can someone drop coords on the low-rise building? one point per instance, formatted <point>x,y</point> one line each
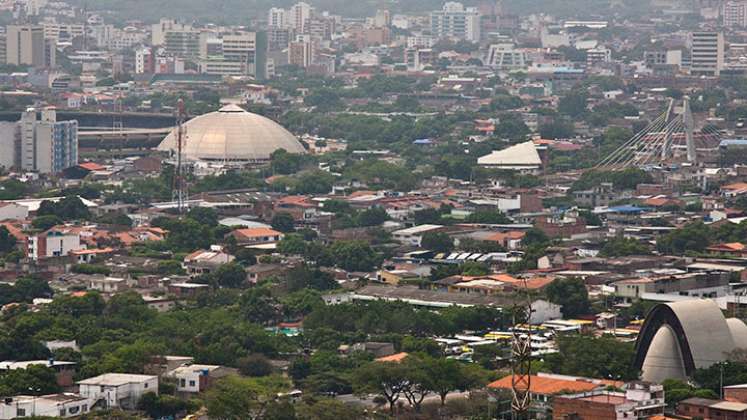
<point>197,378</point>
<point>638,401</point>
<point>56,242</point>
<point>122,390</point>
<point>414,235</point>
<point>64,371</point>
<point>712,409</point>
<point>544,387</point>
<point>206,261</point>
<point>255,236</point>
<point>54,405</point>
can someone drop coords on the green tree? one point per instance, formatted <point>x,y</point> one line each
<point>448,375</point>
<point>692,237</point>
<point>158,406</point>
<point>283,222</point>
<point>328,409</point>
<point>204,216</point>
<point>45,223</point>
<point>7,241</point>
<point>593,357</point>
<point>255,365</point>
<point>292,244</point>
<point>233,397</point>
<point>372,217</point>
<point>573,104</point>
<point>354,255</point>
<point>314,182</point>
<point>571,294</point>
<point>30,287</point>
<point>68,208</point>
<point>34,380</point>
<point>302,277</point>
<point>620,246</point>
<point>230,275</point>
<point>437,241</point>
<point>386,379</point>
<point>284,163</point>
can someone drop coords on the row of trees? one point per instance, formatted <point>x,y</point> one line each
<point>417,377</point>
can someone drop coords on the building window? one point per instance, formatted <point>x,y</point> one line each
<point>21,412</point>
<point>145,385</point>
<point>191,383</point>
<point>182,383</point>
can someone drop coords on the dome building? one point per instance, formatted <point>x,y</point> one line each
<point>678,338</point>
<point>232,135</point>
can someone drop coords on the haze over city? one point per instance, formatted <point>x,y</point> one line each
<point>325,209</point>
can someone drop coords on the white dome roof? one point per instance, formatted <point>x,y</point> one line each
<point>232,134</point>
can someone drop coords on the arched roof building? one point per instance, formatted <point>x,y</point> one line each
<point>232,134</point>
<point>679,337</point>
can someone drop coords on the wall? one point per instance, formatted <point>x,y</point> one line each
<point>584,410</point>
<point>7,144</point>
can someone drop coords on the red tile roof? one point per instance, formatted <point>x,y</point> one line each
<point>543,385</point>
<point>393,358</point>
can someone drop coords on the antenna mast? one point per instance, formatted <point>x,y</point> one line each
<point>521,358</point>
<point>180,182</point>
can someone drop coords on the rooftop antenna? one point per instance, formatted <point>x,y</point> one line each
<point>179,194</point>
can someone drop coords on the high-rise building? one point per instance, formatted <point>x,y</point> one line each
<point>707,53</point>
<point>598,55</point>
<point>183,42</point>
<point>47,146</point>
<point>25,45</point>
<point>236,54</point>
<point>277,18</point>
<point>735,14</point>
<point>301,52</point>
<point>382,19</point>
<point>278,38</point>
<point>455,21</point>
<point>3,51</point>
<point>145,61</point>
<point>63,32</point>
<point>299,14</point>
<point>158,30</point>
<point>320,28</point>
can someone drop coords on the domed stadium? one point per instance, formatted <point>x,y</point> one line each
<point>678,338</point>
<point>232,135</point>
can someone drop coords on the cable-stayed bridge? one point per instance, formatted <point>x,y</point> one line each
<point>670,138</point>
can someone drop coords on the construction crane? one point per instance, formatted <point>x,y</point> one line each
<point>179,191</point>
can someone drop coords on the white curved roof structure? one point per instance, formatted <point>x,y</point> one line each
<point>232,134</point>
<point>519,156</point>
<point>679,337</point>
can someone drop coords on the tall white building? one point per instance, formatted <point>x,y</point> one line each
<point>299,14</point>
<point>707,53</point>
<point>277,18</point>
<point>456,22</point>
<point>47,146</point>
<point>735,14</point>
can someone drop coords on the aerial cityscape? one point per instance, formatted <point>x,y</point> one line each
<point>329,210</point>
